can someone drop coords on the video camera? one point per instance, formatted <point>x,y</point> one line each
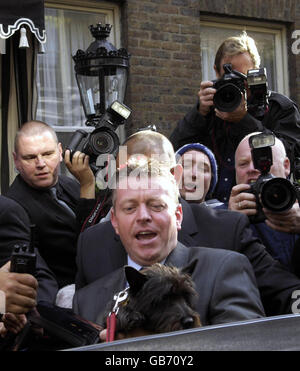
<point>103,140</point>
<point>231,87</point>
<point>273,193</point>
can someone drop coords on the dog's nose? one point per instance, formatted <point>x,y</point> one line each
<point>187,322</point>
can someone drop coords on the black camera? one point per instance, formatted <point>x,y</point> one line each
<point>103,139</point>
<point>230,89</point>
<point>273,193</point>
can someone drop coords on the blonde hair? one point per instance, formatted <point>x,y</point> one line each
<point>237,45</point>
<point>146,167</point>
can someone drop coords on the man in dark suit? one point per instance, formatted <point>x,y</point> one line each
<point>50,199</point>
<point>146,215</point>
<point>100,250</point>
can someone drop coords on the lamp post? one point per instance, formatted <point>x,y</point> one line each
<point>101,74</point>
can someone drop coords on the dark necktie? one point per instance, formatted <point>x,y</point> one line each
<point>61,202</point>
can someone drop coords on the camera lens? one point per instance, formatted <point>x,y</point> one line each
<point>102,141</point>
<point>278,194</point>
<point>227,98</point>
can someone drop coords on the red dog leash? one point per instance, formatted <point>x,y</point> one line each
<point>111,320</point>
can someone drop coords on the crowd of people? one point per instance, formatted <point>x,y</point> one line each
<point>194,203</point>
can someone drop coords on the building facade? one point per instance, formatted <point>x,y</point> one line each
<point>172,44</point>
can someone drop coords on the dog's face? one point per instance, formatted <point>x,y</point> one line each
<point>161,299</point>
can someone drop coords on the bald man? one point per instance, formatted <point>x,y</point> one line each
<point>246,174</point>
<point>280,230</point>
<point>39,189</point>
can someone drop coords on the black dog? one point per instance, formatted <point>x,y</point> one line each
<point>159,299</point>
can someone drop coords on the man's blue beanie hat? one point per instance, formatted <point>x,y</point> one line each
<point>213,163</point>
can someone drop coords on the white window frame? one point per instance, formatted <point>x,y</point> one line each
<point>111,11</point>
<point>278,30</point>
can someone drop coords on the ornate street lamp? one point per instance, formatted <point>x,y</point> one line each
<point>101,73</point>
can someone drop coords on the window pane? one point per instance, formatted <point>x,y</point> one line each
<point>212,37</point>
<point>59,101</point>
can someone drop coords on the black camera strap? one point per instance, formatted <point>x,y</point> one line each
<point>99,211</point>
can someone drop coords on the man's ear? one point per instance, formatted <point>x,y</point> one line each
<point>60,152</point>
<point>114,221</point>
<point>177,171</point>
<point>287,166</point>
<point>135,279</point>
<point>16,161</point>
<point>179,216</point>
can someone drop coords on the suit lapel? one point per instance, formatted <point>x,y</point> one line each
<point>110,285</point>
<point>179,257</point>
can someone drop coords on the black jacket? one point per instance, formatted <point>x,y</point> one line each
<point>100,252</point>
<point>282,118</point>
<point>56,228</point>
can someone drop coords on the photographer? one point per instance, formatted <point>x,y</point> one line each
<point>222,131</point>
<point>280,230</point>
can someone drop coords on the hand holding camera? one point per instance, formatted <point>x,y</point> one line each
<point>234,94</point>
<point>206,98</point>
<point>206,95</point>
<point>287,221</point>
<point>242,200</point>
<point>80,168</point>
<point>235,116</point>
<point>272,194</point>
